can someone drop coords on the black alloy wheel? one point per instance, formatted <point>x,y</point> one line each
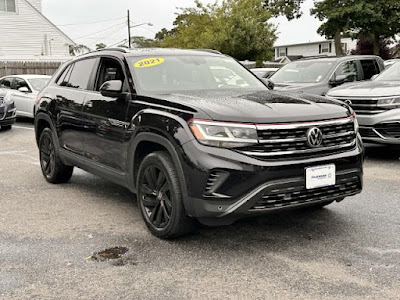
<point>54,171</point>
<point>160,199</point>
<point>47,156</point>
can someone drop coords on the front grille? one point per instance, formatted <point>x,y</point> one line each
<point>297,193</point>
<point>391,130</point>
<point>368,132</point>
<point>290,140</point>
<point>365,106</point>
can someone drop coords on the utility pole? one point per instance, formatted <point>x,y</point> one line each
<point>129,30</point>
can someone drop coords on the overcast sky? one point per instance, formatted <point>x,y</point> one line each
<point>161,13</point>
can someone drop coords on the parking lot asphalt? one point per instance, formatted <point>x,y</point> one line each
<point>50,234</point>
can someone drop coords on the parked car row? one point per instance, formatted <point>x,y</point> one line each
<point>23,89</point>
<point>377,105</point>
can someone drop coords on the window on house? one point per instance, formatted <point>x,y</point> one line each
<point>324,48</point>
<point>282,52</point>
<point>7,6</point>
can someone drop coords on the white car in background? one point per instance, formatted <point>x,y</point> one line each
<point>23,89</point>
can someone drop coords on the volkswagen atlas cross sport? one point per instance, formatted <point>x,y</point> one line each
<point>192,144</point>
<point>377,104</point>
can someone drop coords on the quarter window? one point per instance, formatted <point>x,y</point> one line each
<point>7,6</point>
<point>349,69</point>
<point>370,68</point>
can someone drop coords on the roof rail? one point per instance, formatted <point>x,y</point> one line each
<point>120,49</point>
<point>209,50</point>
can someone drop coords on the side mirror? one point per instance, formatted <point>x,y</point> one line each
<point>340,79</point>
<point>374,77</point>
<point>24,89</point>
<point>270,85</point>
<point>112,88</point>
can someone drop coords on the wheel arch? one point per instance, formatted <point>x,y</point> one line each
<point>146,143</point>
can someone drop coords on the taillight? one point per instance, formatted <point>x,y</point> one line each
<point>37,100</point>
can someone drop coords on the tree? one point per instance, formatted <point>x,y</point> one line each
<point>291,9</point>
<point>336,14</point>
<point>366,47</point>
<point>372,19</point>
<point>239,28</point>
<point>142,42</point>
<point>75,50</point>
<point>100,46</point>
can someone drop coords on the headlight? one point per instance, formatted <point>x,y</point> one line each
<point>356,126</point>
<point>226,135</point>
<point>389,102</point>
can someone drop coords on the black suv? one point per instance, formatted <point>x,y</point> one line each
<point>194,142</point>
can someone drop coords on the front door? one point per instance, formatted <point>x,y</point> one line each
<point>104,138</point>
<point>23,100</point>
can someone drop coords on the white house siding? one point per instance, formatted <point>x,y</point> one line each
<point>37,4</point>
<point>313,49</point>
<point>24,33</point>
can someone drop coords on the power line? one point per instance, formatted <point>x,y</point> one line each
<point>101,31</point>
<point>96,22</point>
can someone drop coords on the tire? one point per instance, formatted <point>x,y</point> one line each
<point>54,171</point>
<point>7,127</point>
<point>160,199</point>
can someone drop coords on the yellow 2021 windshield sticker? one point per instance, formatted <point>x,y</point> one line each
<point>149,62</point>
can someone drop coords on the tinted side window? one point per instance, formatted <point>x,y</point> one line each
<point>80,74</point>
<point>6,83</point>
<point>110,69</point>
<point>370,68</point>
<point>349,69</point>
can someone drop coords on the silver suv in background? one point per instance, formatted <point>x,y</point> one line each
<point>377,105</point>
<point>319,75</point>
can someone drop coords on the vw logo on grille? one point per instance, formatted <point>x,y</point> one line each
<point>314,137</point>
<point>348,102</point>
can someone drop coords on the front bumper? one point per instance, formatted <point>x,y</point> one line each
<point>249,186</point>
<point>8,114</point>
<point>383,128</point>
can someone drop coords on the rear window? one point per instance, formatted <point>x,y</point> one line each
<point>370,68</point>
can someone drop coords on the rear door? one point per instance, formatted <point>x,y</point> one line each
<point>370,67</point>
<point>69,97</point>
<point>104,139</point>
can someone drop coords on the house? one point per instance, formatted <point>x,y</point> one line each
<point>26,32</point>
<point>320,48</point>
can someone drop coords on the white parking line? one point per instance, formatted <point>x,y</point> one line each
<point>22,127</point>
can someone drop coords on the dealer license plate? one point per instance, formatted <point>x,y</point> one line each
<point>320,176</point>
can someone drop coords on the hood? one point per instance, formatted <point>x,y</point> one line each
<point>258,106</point>
<point>367,89</point>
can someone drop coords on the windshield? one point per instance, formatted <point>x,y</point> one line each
<point>38,83</point>
<point>302,71</point>
<point>390,74</point>
<point>183,73</point>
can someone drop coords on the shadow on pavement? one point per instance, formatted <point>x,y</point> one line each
<point>382,152</point>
